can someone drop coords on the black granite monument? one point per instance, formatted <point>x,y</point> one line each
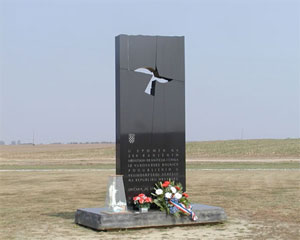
<point>150,111</point>
<point>150,131</point>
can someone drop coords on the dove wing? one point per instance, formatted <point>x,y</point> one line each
<point>143,70</point>
<point>161,80</point>
<point>149,86</point>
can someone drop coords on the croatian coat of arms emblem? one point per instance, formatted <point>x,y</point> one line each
<point>131,137</point>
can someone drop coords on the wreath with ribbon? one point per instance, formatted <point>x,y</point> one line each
<point>169,197</point>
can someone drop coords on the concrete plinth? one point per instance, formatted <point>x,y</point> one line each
<point>99,219</point>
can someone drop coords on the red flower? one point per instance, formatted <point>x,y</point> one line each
<point>136,198</point>
<point>141,200</point>
<point>148,200</point>
<point>178,188</point>
<point>166,184</point>
<point>142,195</point>
<point>185,195</point>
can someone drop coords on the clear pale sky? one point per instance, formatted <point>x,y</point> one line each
<point>58,73</point>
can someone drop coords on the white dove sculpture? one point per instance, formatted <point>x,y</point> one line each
<point>150,89</point>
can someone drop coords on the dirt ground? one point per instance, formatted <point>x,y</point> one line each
<point>259,204</point>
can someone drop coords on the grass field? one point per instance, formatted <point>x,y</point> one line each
<point>242,149</point>
<point>269,153</point>
<point>245,149</point>
<point>259,190</point>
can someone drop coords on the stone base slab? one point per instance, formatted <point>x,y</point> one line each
<point>100,219</point>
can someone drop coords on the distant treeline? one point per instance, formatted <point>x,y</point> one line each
<point>86,142</point>
<point>19,143</point>
<point>15,143</point>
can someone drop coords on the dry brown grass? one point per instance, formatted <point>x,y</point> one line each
<point>210,150</point>
<point>94,155</point>
<point>259,204</point>
<point>245,149</point>
<point>53,154</point>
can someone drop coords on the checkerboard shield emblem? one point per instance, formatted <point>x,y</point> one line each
<point>131,137</point>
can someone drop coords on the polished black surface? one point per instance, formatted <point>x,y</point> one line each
<point>150,128</point>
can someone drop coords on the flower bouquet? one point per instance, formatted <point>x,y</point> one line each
<point>169,197</point>
<point>142,202</point>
